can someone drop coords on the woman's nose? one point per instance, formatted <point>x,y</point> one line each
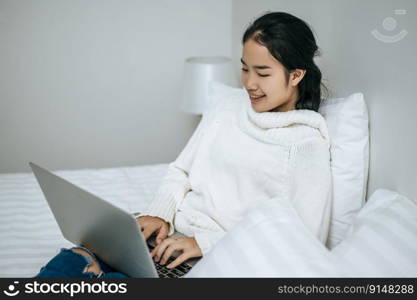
<point>250,83</point>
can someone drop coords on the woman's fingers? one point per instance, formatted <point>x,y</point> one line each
<point>160,249</point>
<point>163,233</point>
<point>168,252</point>
<point>180,259</point>
<point>149,225</point>
<point>154,251</point>
<point>165,249</point>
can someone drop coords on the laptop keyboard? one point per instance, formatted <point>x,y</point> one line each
<point>164,272</point>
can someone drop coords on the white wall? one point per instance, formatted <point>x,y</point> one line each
<point>353,60</point>
<point>95,83</point>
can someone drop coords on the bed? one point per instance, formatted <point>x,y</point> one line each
<point>373,239</point>
<point>29,234</point>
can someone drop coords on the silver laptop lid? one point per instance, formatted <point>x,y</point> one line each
<point>85,219</point>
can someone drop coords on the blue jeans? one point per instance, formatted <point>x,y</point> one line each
<point>67,263</point>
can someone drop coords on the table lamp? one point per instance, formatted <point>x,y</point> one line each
<point>198,73</point>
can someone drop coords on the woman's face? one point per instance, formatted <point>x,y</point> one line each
<point>263,75</point>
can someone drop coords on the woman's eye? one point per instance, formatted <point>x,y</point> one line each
<point>245,70</point>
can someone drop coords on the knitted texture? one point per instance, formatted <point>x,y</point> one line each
<point>238,158</point>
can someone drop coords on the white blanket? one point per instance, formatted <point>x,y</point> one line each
<point>29,234</point>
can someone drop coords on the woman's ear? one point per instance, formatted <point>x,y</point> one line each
<point>296,76</point>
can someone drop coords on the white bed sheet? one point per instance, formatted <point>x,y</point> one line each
<point>29,234</point>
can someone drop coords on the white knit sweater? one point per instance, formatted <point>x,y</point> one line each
<point>238,158</point>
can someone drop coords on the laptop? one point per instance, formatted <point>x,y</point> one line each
<point>109,231</point>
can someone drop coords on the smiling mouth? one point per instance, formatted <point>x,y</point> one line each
<point>256,99</point>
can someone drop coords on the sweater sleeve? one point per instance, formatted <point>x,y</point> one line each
<point>176,183</point>
<point>310,185</point>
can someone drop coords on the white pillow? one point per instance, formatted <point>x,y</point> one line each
<point>382,242</point>
<point>348,125</point>
<point>347,122</point>
<point>270,241</point>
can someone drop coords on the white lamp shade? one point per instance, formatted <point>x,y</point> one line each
<point>198,73</point>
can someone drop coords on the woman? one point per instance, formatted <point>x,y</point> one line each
<point>274,144</point>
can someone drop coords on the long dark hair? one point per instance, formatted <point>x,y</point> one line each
<point>291,41</point>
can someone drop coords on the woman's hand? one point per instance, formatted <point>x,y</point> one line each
<point>150,225</point>
<point>188,246</point>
